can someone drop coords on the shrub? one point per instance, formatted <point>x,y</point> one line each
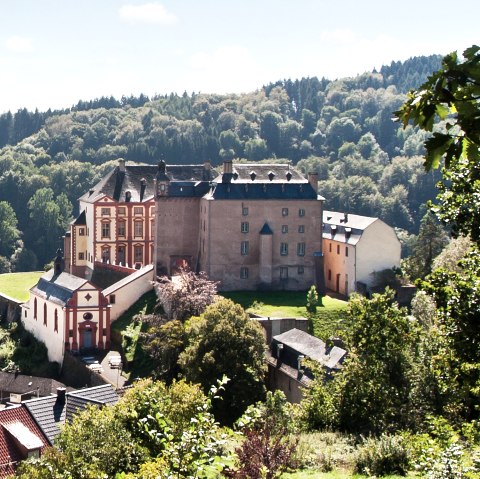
<point>383,455</point>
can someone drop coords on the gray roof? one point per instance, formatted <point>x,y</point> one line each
<point>312,347</point>
<point>57,288</point>
<point>139,180</point>
<point>21,384</point>
<point>343,227</point>
<point>51,412</point>
<point>264,173</point>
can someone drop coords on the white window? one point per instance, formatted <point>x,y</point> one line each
<point>244,227</point>
<point>244,248</point>
<point>243,273</point>
<point>284,249</point>
<point>138,229</point>
<point>284,229</point>
<point>301,249</point>
<point>105,211</point>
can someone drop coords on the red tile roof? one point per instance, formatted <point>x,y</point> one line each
<point>17,431</point>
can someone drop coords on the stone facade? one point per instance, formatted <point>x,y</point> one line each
<point>254,226</point>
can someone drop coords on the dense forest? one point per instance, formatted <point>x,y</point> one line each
<point>343,129</point>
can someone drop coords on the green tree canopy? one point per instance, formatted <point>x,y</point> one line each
<point>225,342</point>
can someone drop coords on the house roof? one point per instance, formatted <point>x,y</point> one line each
<point>261,181</point>
<point>81,219</point>
<point>57,288</point>
<point>343,227</point>
<point>314,348</point>
<point>50,412</point>
<point>139,180</point>
<point>264,173</point>
<point>21,384</point>
<point>17,428</point>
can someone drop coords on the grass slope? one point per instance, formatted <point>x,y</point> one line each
<point>278,304</point>
<point>17,285</point>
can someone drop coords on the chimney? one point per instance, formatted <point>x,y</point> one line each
<point>345,217</point>
<point>59,263</point>
<point>121,165</point>
<point>313,180</point>
<point>61,392</point>
<point>227,171</point>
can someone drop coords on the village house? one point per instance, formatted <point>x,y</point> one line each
<point>287,370</point>
<point>355,247</point>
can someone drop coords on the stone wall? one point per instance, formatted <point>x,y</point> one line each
<point>9,309</point>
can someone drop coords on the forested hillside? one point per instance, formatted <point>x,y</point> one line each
<point>343,129</point>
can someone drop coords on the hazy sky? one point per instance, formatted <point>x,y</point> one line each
<point>56,52</point>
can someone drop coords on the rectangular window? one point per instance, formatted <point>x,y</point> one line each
<point>244,248</point>
<point>138,210</point>
<point>81,256</point>
<point>338,249</point>
<point>121,228</point>
<point>346,251</point>
<point>283,272</point>
<point>330,247</point>
<point>301,249</point>
<point>106,229</point>
<point>284,211</point>
<point>105,211</point>
<point>81,231</point>
<point>329,275</point>
<point>138,229</point>
<point>152,229</point>
<point>138,253</point>
<point>300,270</point>
<point>122,210</point>
<point>301,228</point>
<point>245,211</point>
<point>301,212</point>
<point>70,333</point>
<point>244,227</point>
<point>284,249</point>
<point>284,228</point>
<point>112,299</point>
<point>243,273</point>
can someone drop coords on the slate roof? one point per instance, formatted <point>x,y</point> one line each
<point>264,173</point>
<point>20,384</point>
<point>116,183</point>
<point>16,424</point>
<point>57,288</point>
<point>316,349</point>
<point>262,191</point>
<point>51,412</point>
<point>336,228</point>
<point>81,219</point>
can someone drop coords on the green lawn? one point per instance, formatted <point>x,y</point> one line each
<point>16,285</point>
<point>277,304</point>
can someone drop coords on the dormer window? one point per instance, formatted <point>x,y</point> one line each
<point>289,176</point>
<point>271,175</point>
<point>253,175</point>
<point>128,196</point>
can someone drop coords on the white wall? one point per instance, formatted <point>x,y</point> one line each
<point>129,290</point>
<point>378,249</point>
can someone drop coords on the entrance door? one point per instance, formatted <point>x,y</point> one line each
<point>87,338</point>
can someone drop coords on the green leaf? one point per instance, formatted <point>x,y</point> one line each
<point>436,147</point>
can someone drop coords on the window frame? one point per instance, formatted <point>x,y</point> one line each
<point>244,248</point>
<point>283,249</point>
<point>301,247</point>
<point>244,227</point>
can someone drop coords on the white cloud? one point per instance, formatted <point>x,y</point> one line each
<point>19,44</point>
<point>153,13</point>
